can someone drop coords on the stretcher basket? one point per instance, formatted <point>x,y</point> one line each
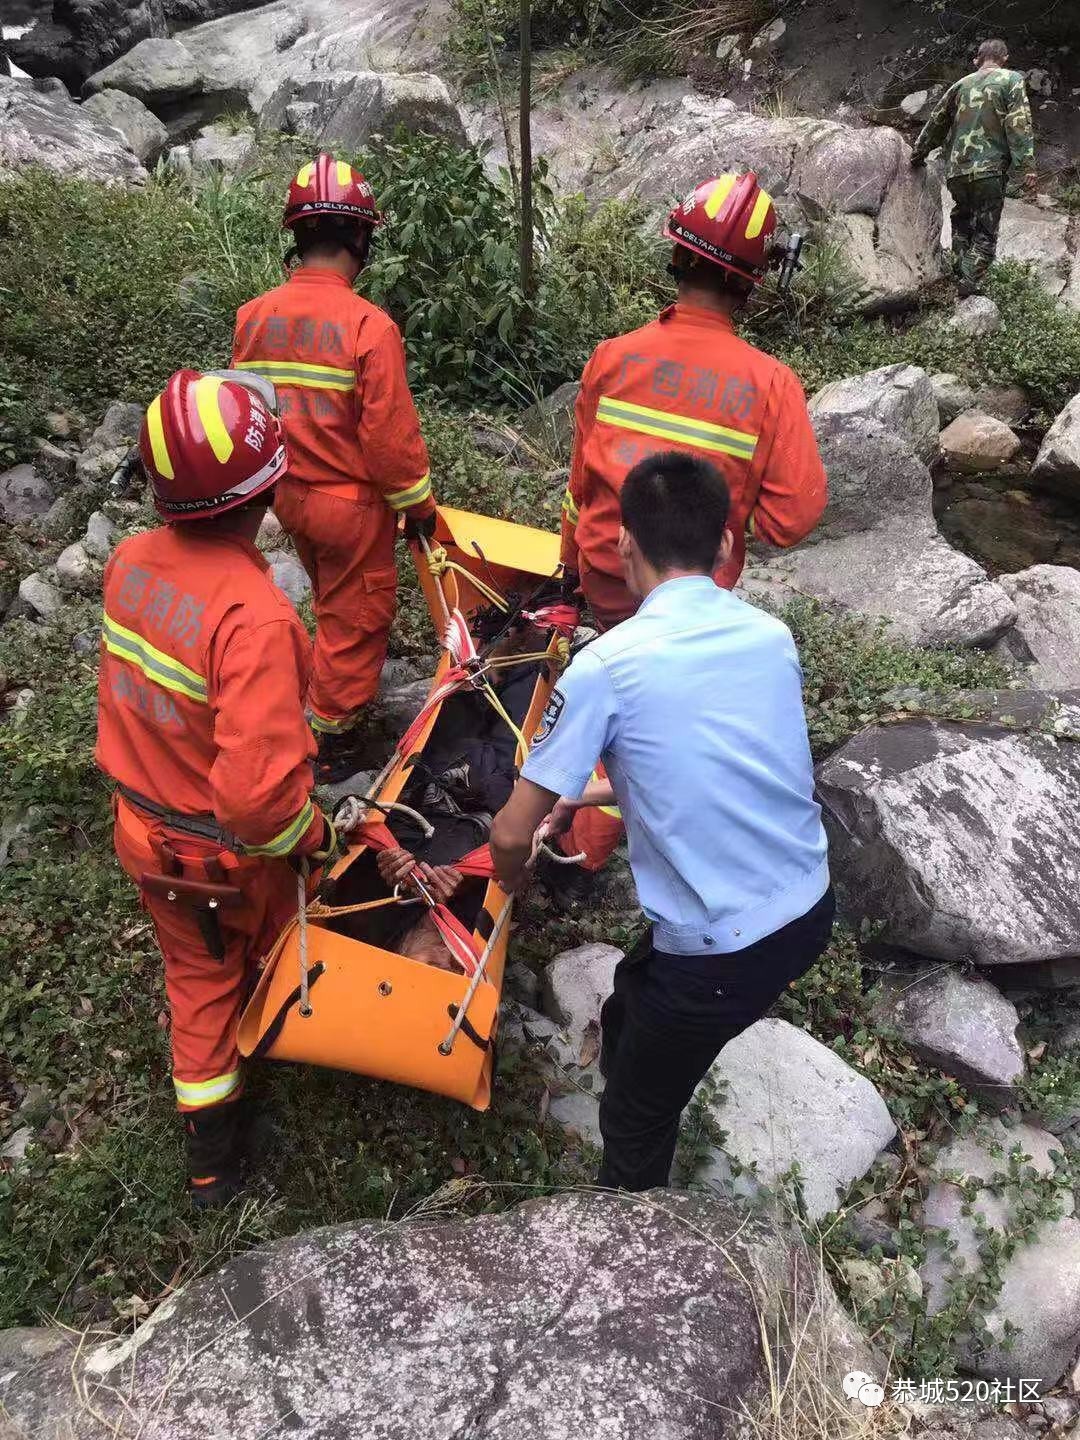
<point>372,1011</point>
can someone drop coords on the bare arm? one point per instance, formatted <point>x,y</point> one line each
<point>513,829</point>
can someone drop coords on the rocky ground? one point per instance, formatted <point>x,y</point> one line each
<point>904,1131</point>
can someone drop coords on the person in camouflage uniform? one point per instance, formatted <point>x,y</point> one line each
<point>983,123</point>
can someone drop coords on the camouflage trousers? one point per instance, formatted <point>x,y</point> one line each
<point>976,218</point>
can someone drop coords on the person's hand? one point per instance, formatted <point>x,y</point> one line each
<point>394,866</point>
<point>415,526</point>
<point>560,820</point>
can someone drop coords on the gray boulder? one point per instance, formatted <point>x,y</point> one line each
<point>877,550</point>
<point>224,152</point>
<point>962,1025</point>
<point>50,130</point>
<point>787,1100</point>
<point>198,12</point>
<point>977,316</point>
<point>768,40</point>
<point>159,72</point>
<point>575,986</point>
<point>100,537</point>
<point>573,1315</point>
<point>961,838</point>
<point>1047,631</point>
<point>1010,403</point>
<point>1033,236</point>
<point>953,396</point>
<point>1040,1291</point>
<point>109,443</point>
<point>289,575</point>
<point>74,39</point>
<point>977,444</point>
<point>75,570</point>
<point>899,397</point>
<point>24,494</point>
<point>41,596</point>
<point>1057,465</point>
<point>916,104</point>
<point>350,107</point>
<point>140,128</point>
<point>549,424</point>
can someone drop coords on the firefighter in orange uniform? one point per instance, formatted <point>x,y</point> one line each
<point>356,457</point>
<point>204,669</point>
<point>687,382</point>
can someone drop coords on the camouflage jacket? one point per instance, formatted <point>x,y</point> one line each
<point>984,124</point>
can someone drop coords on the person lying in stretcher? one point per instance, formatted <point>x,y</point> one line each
<point>422,942</point>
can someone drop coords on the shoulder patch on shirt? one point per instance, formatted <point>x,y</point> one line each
<point>550,718</point>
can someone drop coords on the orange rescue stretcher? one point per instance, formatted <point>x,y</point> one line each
<point>347,1003</point>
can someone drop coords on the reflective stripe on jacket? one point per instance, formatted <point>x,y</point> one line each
<point>204,668</point>
<point>688,382</point>
<point>338,365</point>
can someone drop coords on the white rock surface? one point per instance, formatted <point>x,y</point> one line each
<point>50,130</point>
<point>41,595</point>
<point>289,575</point>
<point>915,104</point>
<point>1047,631</point>
<point>960,838</point>
<point>159,71</point>
<point>575,986</point>
<point>953,396</point>
<point>1057,465</point>
<point>1040,1294</point>
<point>139,127</point>
<point>768,40</point>
<point>899,397</point>
<point>349,107</point>
<point>100,537</point>
<point>960,1024</point>
<point>977,444</point>
<point>977,316</point>
<point>787,1099</point>
<point>76,571</point>
<point>223,152</point>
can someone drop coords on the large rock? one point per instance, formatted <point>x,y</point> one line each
<point>787,1100</point>
<point>1037,237</point>
<point>953,396</point>
<point>1040,1289</point>
<point>1047,631</point>
<point>977,444</point>
<point>164,75</point>
<point>224,152</point>
<point>348,108</point>
<point>652,142</point>
<point>977,316</point>
<point>576,1315</point>
<point>139,127</point>
<point>110,442</point>
<point>41,596</point>
<point>289,575</point>
<point>962,1025</point>
<point>24,494</point>
<point>878,552</point>
<point>198,12</point>
<point>79,36</point>
<point>960,838</point>
<point>549,424</point>
<point>575,986</point>
<point>1057,465</point>
<point>49,129</point>
<point>900,398</point>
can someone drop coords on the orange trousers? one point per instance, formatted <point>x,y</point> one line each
<point>347,548</point>
<point>205,995</point>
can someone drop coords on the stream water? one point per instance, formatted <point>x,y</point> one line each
<point>1001,522</point>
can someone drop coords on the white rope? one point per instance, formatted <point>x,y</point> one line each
<point>447,1045</point>
<point>352,812</point>
<point>302,925</point>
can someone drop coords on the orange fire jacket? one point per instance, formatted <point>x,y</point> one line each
<point>338,365</point>
<point>688,382</point>
<point>204,668</point>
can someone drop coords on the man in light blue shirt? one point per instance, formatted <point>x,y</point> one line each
<point>695,706</point>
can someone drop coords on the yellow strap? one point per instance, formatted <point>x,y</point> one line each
<point>569,508</point>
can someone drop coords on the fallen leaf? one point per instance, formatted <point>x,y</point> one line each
<point>590,1044</point>
<point>86,1005</point>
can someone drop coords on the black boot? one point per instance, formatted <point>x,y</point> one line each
<point>340,757</point>
<point>567,886</point>
<point>214,1140</point>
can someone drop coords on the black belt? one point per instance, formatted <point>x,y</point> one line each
<point>202,827</point>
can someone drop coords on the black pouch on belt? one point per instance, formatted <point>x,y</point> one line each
<point>203,900</point>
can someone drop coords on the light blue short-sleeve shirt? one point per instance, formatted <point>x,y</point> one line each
<point>694,705</point>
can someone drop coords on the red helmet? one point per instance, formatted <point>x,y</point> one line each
<point>729,220</point>
<point>329,188</point>
<point>209,444</point>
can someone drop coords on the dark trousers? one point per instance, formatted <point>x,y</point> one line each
<point>665,1023</point>
<point>976,218</point>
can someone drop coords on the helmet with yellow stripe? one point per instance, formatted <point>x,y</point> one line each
<point>208,444</point>
<point>329,189</point>
<point>729,220</point>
